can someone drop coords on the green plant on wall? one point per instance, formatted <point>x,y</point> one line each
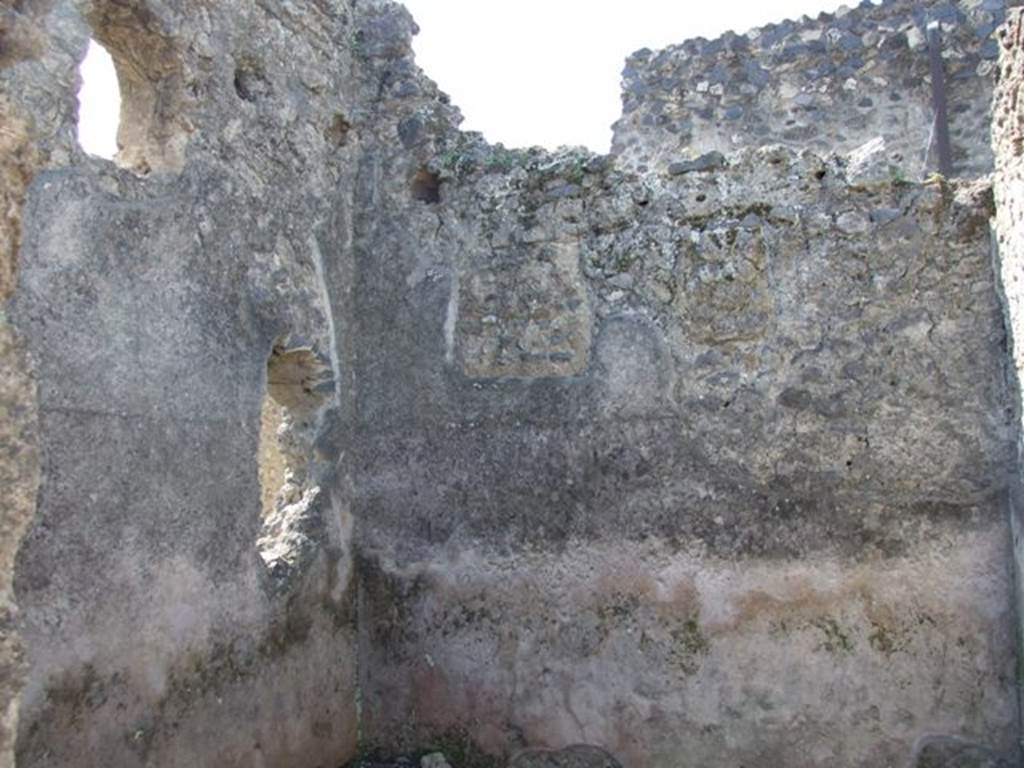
<point>501,159</point>
<point>897,175</point>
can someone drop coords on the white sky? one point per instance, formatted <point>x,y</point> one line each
<point>99,103</point>
<point>523,72</point>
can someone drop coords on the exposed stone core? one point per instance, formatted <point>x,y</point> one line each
<point>828,84</point>
<point>355,435</point>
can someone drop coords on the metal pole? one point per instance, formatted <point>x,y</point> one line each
<point>943,147</point>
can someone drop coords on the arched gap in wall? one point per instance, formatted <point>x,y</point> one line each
<point>152,128</point>
<point>298,385</point>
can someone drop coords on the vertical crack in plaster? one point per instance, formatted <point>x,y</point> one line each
<point>325,303</point>
<point>450,319</point>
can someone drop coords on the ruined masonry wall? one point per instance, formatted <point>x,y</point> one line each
<point>830,84</point>
<point>23,148</point>
<point>1008,141</point>
<point>753,430</point>
<point>711,462</point>
<point>149,295</point>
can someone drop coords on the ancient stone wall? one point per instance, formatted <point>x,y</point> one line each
<point>684,458</point>
<point>830,84</point>
<point>26,139</point>
<point>164,621</point>
<point>710,460</point>
<point>1008,142</point>
<point>758,518</point>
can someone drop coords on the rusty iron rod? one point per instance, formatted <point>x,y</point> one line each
<point>938,73</point>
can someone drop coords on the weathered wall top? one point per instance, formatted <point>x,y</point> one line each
<point>829,84</point>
